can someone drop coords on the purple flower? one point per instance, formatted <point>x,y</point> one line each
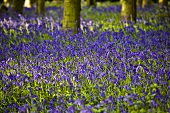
<point>12,77</point>
<point>71,109</point>
<point>50,91</point>
<point>24,77</point>
<point>39,109</point>
<point>78,102</point>
<point>86,111</point>
<point>115,81</point>
<point>7,87</point>
<point>154,103</point>
<point>23,108</point>
<point>102,94</point>
<point>52,110</point>
<point>110,99</point>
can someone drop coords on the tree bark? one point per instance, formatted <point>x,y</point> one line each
<point>40,7</point>
<point>18,6</point>
<point>91,3</point>
<point>146,3</point>
<point>71,15</point>
<point>128,11</point>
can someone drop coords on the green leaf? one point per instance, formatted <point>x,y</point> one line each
<point>29,74</point>
<point>154,85</point>
<point>99,110</point>
<point>15,100</point>
<point>46,37</point>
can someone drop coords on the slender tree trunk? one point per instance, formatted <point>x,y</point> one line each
<point>71,15</point>
<point>91,3</point>
<point>146,3</point>
<point>163,3</point>
<point>134,13</point>
<point>139,3</point>
<point>40,7</point>
<point>128,11</point>
<point>18,6</point>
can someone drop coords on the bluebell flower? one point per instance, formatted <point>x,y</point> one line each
<point>71,109</point>
<point>102,94</point>
<point>78,102</point>
<point>38,109</point>
<point>60,100</point>
<point>110,99</point>
<point>33,102</point>
<point>33,96</point>
<point>12,77</point>
<point>52,110</point>
<point>7,87</point>
<point>86,111</point>
<point>50,91</point>
<point>71,100</point>
<point>168,109</point>
<point>115,81</point>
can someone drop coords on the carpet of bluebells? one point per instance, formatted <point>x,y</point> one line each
<point>108,66</point>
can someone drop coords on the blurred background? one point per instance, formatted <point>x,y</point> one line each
<point>18,5</point>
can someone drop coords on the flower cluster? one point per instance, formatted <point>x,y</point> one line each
<point>43,69</point>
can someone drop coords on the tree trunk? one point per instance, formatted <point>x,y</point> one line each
<point>163,3</point>
<point>128,11</point>
<point>18,6</point>
<point>139,3</point>
<point>71,15</point>
<point>91,3</point>
<point>146,3</point>
<point>40,7</point>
